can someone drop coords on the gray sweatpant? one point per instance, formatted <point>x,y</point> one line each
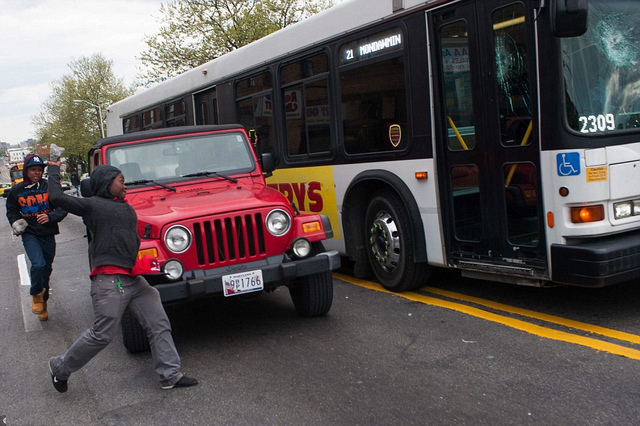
<point>108,305</point>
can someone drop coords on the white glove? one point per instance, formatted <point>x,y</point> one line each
<point>19,226</point>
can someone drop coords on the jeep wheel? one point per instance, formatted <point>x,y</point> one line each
<point>134,337</point>
<point>313,295</point>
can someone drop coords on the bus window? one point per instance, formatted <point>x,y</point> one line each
<point>514,95</point>
<point>466,202</point>
<point>306,106</point>
<point>256,112</point>
<point>131,123</point>
<point>373,100</point>
<point>256,116</point>
<point>175,114</point>
<point>457,86</point>
<point>522,204</point>
<point>152,119</point>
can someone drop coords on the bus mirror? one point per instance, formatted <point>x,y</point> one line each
<point>267,164</point>
<point>568,17</point>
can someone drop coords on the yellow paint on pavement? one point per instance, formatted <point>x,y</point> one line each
<point>537,330</point>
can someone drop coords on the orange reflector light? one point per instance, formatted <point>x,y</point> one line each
<point>311,227</point>
<point>421,175</point>
<point>587,214</point>
<point>550,220</point>
<point>153,252</point>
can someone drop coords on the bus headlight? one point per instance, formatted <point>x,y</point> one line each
<point>173,269</point>
<point>177,239</point>
<point>301,247</point>
<point>278,222</point>
<point>626,209</point>
<point>622,210</point>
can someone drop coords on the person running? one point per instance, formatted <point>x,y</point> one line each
<point>33,216</point>
<point>113,250</point>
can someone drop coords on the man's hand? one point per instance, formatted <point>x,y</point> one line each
<point>19,226</point>
<point>42,218</point>
<point>54,163</point>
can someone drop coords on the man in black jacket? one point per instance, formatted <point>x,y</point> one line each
<point>113,250</point>
<point>32,215</point>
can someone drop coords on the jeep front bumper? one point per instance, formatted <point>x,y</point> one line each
<point>275,272</point>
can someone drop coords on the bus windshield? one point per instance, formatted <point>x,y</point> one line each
<point>602,69</point>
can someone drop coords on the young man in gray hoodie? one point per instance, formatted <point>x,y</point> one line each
<point>113,250</point>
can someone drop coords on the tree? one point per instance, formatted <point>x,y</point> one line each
<point>196,31</point>
<point>76,125</point>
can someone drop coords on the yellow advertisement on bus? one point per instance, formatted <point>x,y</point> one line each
<point>316,195</point>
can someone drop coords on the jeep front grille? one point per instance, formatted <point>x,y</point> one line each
<point>223,240</point>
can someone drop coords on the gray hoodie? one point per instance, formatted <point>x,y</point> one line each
<point>111,223</point>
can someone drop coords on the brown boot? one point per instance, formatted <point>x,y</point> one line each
<point>37,306</point>
<point>44,315</point>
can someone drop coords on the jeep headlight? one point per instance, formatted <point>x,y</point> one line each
<point>173,269</point>
<point>278,222</point>
<point>301,247</point>
<point>177,239</point>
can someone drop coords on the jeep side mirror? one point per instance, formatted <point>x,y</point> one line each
<point>267,163</point>
<point>568,17</point>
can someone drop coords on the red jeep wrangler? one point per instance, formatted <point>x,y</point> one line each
<point>209,225</point>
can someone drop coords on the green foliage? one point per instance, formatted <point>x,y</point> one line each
<point>196,31</point>
<point>76,125</point>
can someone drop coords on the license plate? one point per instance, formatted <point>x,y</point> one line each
<point>242,282</point>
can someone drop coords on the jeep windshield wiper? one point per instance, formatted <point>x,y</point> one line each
<point>144,181</point>
<point>234,180</point>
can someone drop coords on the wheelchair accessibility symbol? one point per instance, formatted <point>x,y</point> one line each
<point>568,164</point>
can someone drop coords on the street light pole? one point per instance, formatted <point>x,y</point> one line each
<point>79,101</point>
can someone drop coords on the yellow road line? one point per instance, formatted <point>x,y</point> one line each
<point>590,328</point>
<point>509,322</point>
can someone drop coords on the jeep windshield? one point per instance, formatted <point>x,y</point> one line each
<point>601,69</point>
<point>181,157</point>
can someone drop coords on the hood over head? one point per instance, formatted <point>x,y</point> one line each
<point>31,160</point>
<point>101,179</point>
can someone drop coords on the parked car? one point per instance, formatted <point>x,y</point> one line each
<point>210,226</point>
<point>66,185</point>
<point>4,189</point>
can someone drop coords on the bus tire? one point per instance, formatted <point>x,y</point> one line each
<point>389,244</point>
<point>312,295</point>
<point>134,337</point>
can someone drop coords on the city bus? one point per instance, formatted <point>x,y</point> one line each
<point>500,138</point>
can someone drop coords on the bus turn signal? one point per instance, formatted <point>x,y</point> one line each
<point>587,214</point>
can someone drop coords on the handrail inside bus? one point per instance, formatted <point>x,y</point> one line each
<point>523,143</point>
<point>458,135</point>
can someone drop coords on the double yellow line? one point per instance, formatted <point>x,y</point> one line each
<point>538,330</point>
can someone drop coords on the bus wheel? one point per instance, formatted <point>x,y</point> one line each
<point>389,245</point>
<point>134,337</point>
<point>312,295</point>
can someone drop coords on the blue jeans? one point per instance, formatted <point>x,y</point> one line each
<point>40,250</point>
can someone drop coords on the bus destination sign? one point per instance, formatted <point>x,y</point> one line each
<point>372,46</point>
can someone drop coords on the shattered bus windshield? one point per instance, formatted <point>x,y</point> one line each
<point>602,69</point>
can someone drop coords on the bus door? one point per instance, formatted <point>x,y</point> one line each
<point>488,153</point>
<point>206,103</point>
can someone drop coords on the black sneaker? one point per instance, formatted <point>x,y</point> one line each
<point>60,385</point>
<point>184,382</point>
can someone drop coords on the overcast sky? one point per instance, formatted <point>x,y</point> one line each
<point>39,38</point>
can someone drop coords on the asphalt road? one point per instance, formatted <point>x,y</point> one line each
<point>424,358</point>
